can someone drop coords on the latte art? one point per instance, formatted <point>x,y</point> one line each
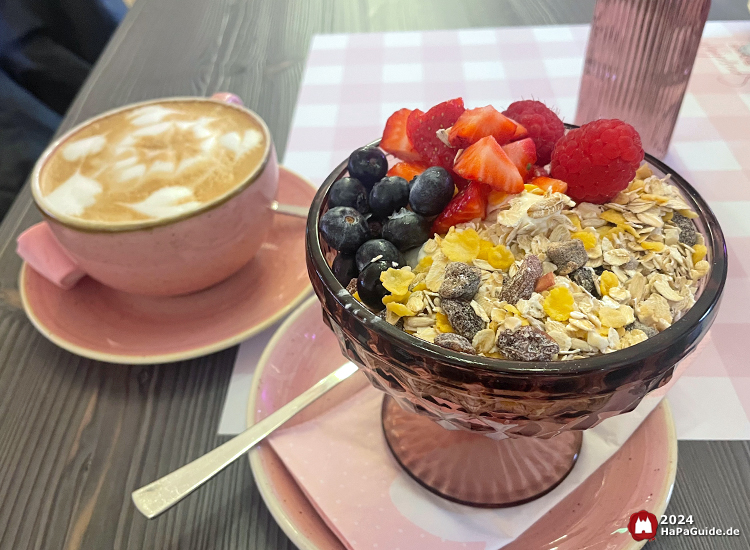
<point>151,162</point>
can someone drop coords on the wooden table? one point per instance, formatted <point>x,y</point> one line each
<point>77,436</point>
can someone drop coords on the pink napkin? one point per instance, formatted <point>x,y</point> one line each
<point>341,461</point>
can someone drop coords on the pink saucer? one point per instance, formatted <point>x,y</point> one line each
<point>594,516</point>
<point>98,322</point>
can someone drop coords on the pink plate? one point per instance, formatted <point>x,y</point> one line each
<point>98,322</point>
<point>304,350</point>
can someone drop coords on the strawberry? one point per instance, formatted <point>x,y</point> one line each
<point>461,183</point>
<point>475,124</point>
<point>523,155</point>
<point>407,170</point>
<point>422,127</point>
<point>521,132</point>
<point>546,183</point>
<point>486,162</point>
<point>469,204</point>
<point>395,141</point>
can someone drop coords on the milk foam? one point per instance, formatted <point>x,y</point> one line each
<point>151,162</point>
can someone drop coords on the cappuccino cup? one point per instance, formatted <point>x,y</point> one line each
<point>160,198</point>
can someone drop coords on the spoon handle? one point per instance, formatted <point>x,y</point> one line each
<point>290,209</point>
<point>160,495</point>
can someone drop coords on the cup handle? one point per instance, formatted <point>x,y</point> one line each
<point>39,248</point>
<point>228,98</point>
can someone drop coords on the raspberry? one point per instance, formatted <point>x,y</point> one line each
<point>542,124</point>
<point>597,160</point>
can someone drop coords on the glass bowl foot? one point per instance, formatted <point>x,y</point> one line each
<point>475,470</point>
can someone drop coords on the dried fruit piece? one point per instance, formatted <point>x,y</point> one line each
<point>462,318</point>
<point>500,257</point>
<point>584,277</point>
<point>656,247</point>
<point>527,344</point>
<point>461,282</point>
<point>397,281</point>
<point>454,342</point>
<point>567,255</point>
<point>461,246</point>
<point>559,303</point>
<point>613,216</point>
<point>544,282</point>
<point>521,286</point>
<point>607,280</point>
<point>688,235</point>
<point>351,288</point>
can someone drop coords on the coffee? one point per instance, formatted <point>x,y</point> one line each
<point>151,162</point>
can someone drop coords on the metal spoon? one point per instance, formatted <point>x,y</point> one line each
<point>290,209</point>
<point>157,497</point>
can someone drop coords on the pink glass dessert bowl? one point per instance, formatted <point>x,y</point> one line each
<point>491,432</point>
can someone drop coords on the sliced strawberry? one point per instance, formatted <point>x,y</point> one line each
<point>543,182</point>
<point>469,204</point>
<point>523,155</point>
<point>521,132</point>
<point>486,162</point>
<point>422,127</point>
<point>475,124</point>
<point>407,170</point>
<point>460,182</point>
<point>395,141</point>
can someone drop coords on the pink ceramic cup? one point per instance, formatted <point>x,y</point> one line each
<point>165,257</point>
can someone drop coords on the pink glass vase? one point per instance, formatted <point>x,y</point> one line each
<point>638,61</point>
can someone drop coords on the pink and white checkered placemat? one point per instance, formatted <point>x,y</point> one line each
<point>353,82</point>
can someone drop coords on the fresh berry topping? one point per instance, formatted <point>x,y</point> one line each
<point>344,229</point>
<point>547,183</point>
<point>395,141</point>
<point>407,170</point>
<point>431,191</point>
<point>368,165</point>
<point>475,124</point>
<point>378,247</point>
<point>376,227</point>
<point>597,160</point>
<point>344,268</point>
<point>537,171</point>
<point>523,155</point>
<point>422,131</point>
<point>469,204</point>
<point>486,162</point>
<point>521,132</point>
<point>349,192</point>
<point>369,287</point>
<point>542,124</point>
<point>459,182</point>
<point>388,195</point>
<point>406,229</point>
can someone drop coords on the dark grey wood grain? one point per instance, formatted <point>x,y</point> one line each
<point>77,436</point>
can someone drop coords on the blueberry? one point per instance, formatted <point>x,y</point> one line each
<point>349,192</point>
<point>370,288</point>
<point>378,247</point>
<point>405,229</point>
<point>431,191</point>
<point>344,268</point>
<point>344,228</point>
<point>368,165</point>
<point>389,195</point>
<point>376,227</point>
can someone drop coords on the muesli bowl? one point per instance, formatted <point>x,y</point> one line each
<point>451,418</point>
